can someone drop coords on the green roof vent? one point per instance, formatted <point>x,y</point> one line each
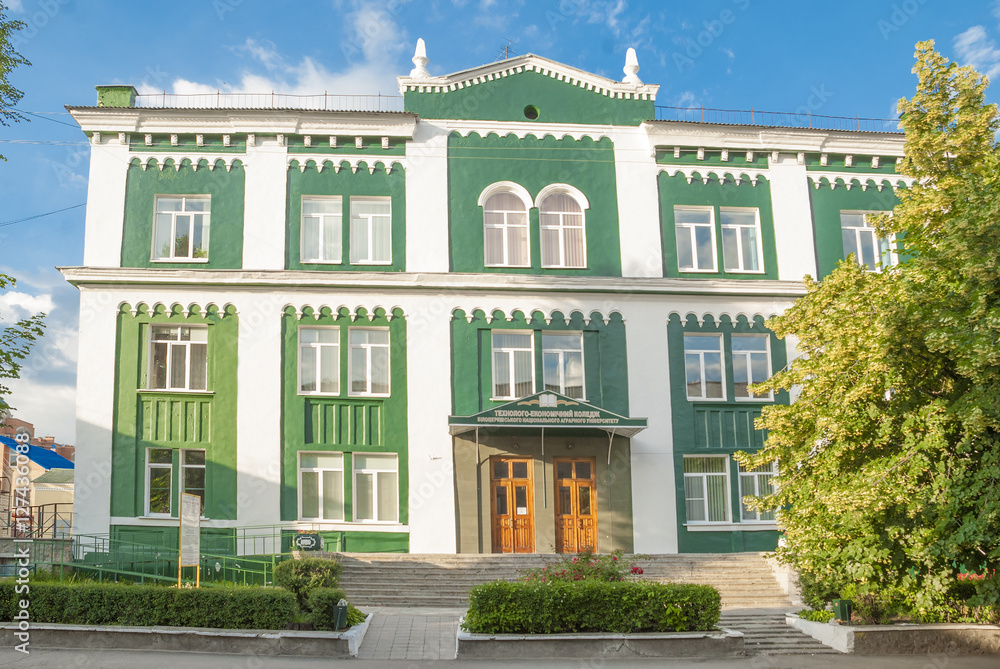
<point>116,96</point>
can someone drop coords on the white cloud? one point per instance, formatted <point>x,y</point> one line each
<point>494,16</point>
<point>996,8</point>
<point>686,99</point>
<point>975,48</point>
<point>14,5</point>
<point>15,305</point>
<point>729,52</point>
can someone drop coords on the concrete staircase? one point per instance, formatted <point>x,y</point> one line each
<point>744,580</point>
<point>765,633</point>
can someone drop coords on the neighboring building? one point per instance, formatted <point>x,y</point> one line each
<point>517,315</point>
<point>11,427</point>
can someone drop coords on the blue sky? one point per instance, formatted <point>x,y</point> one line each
<point>847,58</point>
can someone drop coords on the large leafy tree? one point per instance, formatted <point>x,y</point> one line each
<point>890,455</point>
<point>15,339</point>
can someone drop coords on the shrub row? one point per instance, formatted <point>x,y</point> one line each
<point>591,606</point>
<point>115,604</point>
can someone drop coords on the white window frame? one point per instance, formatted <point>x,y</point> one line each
<point>560,353</point>
<point>319,346</point>
<point>522,194</point>
<point>883,259</point>
<point>375,489</point>
<point>759,250</point>
<point>368,221</point>
<point>562,226</point>
<point>325,220</point>
<point>746,355</point>
<point>704,487</point>
<point>171,346</point>
<point>755,493</point>
<point>510,353</point>
<point>169,466</point>
<point>368,363</point>
<point>206,228</point>
<point>701,358</point>
<point>694,245</point>
<point>204,467</point>
<point>319,472</point>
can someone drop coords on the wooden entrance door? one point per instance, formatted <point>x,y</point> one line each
<point>576,504</point>
<point>512,505</point>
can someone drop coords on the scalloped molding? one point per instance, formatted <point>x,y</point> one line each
<point>508,314</point>
<point>186,310</point>
<point>336,162</point>
<point>720,174</point>
<point>519,130</point>
<point>717,316</point>
<point>354,314</point>
<point>160,160</point>
<point>849,180</point>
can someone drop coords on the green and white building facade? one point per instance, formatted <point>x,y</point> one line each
<point>519,314</point>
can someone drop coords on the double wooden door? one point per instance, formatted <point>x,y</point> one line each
<point>512,505</point>
<point>576,504</point>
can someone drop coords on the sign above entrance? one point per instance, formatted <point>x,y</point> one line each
<point>548,409</point>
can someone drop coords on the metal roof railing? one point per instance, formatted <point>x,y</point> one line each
<point>804,119</point>
<point>272,100</point>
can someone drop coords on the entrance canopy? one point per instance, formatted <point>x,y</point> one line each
<point>548,409</point>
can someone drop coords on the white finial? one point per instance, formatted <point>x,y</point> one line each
<point>420,61</point>
<point>631,68</point>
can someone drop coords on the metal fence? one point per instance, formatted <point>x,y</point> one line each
<point>272,100</point>
<point>804,119</point>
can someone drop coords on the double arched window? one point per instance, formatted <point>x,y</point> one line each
<point>562,231</point>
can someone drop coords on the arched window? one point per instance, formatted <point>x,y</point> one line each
<point>561,219</point>
<point>505,221</point>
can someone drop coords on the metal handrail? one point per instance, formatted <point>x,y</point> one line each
<point>797,119</point>
<point>272,100</point>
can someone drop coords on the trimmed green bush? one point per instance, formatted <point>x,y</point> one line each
<point>816,616</point>
<point>116,604</point>
<point>591,606</point>
<point>300,577</point>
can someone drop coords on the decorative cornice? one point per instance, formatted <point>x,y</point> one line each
<point>359,312</point>
<point>509,314</point>
<point>160,160</point>
<point>521,130</point>
<point>720,174</point>
<point>717,316</point>
<point>850,179</point>
<point>529,63</point>
<point>353,161</point>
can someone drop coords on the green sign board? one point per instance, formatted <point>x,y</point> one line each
<point>548,409</point>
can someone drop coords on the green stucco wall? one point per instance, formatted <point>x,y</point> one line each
<point>476,162</point>
<point>827,204</point>
<point>174,419</point>
<point>227,187</point>
<point>345,183</point>
<point>504,99</point>
<point>343,423</point>
<point>716,428</point>
<point>675,190</point>
<point>604,357</point>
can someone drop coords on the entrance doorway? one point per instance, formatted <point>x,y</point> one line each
<point>512,505</point>
<point>576,504</point>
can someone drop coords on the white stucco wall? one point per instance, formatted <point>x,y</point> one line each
<point>266,172</point>
<point>102,238</point>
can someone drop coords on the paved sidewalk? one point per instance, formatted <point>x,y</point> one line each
<point>411,634</point>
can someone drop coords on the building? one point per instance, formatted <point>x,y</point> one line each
<point>517,312</point>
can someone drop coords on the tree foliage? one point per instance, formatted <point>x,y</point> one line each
<point>9,59</point>
<point>890,456</point>
<point>16,341</point>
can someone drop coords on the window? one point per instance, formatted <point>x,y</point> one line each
<point>193,475</point>
<point>859,238</point>
<point>321,486</point>
<point>160,476</point>
<point>376,488</point>
<point>319,360</point>
<point>706,489</point>
<point>180,230</point>
<point>505,218</point>
<point>513,365</point>
<point>751,364</point>
<point>562,362</point>
<point>178,358</point>
<point>369,361</point>
<point>695,230</point>
<point>322,222</point>
<point>561,222</point>
<point>756,483</point>
<point>371,230</point>
<point>741,248</point>
<point>703,369</point>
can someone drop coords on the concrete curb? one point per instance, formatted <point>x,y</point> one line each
<point>719,643</point>
<point>903,639</point>
<point>299,643</point>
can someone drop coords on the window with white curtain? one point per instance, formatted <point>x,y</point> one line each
<point>695,231</point>
<point>757,483</point>
<point>321,486</point>
<point>371,230</point>
<point>322,222</point>
<point>505,221</point>
<point>751,364</point>
<point>703,370</point>
<point>562,231</point>
<point>376,485</point>
<point>180,228</point>
<point>513,365</point>
<point>178,358</point>
<point>859,238</point>
<point>741,243</point>
<point>562,362</point>
<point>369,361</point>
<point>319,360</point>
<point>706,489</point>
